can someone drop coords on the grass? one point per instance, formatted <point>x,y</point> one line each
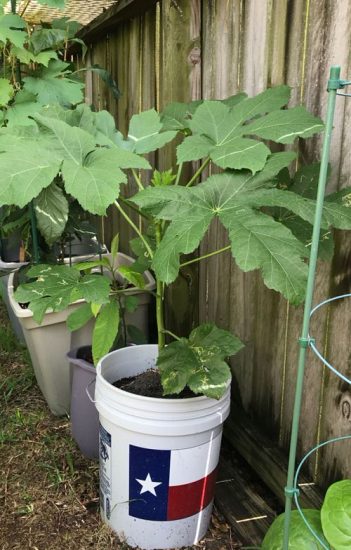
<point>48,490</point>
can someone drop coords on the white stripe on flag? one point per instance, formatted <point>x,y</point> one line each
<point>188,465</point>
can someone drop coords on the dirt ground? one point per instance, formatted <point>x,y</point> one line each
<point>48,491</point>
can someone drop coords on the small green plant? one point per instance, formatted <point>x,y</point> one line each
<point>105,287</point>
<point>332,524</point>
<point>267,215</point>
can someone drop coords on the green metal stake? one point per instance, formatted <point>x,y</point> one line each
<point>334,84</point>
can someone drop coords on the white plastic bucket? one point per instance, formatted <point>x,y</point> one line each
<point>158,457</point>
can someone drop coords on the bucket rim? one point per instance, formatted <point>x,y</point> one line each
<point>143,398</point>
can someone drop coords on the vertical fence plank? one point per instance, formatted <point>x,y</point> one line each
<point>180,71</point>
<point>222,22</point>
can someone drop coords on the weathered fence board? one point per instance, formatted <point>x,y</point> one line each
<point>178,50</point>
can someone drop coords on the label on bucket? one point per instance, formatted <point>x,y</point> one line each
<point>167,485</point>
<point>105,469</point>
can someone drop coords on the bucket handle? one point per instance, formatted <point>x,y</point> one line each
<point>87,391</point>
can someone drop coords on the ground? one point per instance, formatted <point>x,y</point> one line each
<point>48,490</point>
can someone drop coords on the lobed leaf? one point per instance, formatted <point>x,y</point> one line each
<point>51,209</point>
<point>105,330</point>
<point>336,515</point>
<point>301,537</point>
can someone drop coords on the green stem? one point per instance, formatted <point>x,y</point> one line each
<point>171,334</point>
<point>137,179</point>
<point>199,258</point>
<point>180,167</point>
<point>198,172</point>
<point>136,229</point>
<point>33,224</point>
<point>160,291</point>
<point>133,207</point>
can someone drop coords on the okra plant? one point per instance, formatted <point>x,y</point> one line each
<point>267,213</point>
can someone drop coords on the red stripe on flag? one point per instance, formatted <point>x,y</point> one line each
<point>189,499</point>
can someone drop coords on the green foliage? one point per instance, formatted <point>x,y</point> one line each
<point>6,91</point>
<point>220,130</point>
<point>145,133</point>
<point>52,84</point>
<point>300,538</point>
<point>12,29</point>
<point>336,515</point>
<point>51,209</point>
<point>267,214</point>
<point>59,285</point>
<point>332,523</point>
<point>198,362</point>
<point>105,330</point>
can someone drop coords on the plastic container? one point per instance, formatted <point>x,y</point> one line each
<point>158,457</point>
<point>84,416</point>
<point>49,343</point>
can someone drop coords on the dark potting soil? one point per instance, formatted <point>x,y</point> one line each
<point>85,353</point>
<point>149,384</point>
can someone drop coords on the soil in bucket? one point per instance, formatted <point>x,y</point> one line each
<point>148,384</point>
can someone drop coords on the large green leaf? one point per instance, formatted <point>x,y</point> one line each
<point>336,515</point>
<point>12,28</point>
<point>73,143</point>
<point>26,56</point>
<point>6,91</point>
<point>47,39</point>
<point>105,330</point>
<point>300,538</point>
<point>246,205</point>
<point>285,126</point>
<point>259,242</point>
<point>66,24</point>
<point>53,85</point>
<point>198,362</point>
<point>145,132</point>
<point>79,317</point>
<point>25,105</point>
<point>95,184</point>
<point>176,116</point>
<point>51,209</point>
<point>25,170</point>
<point>59,285</point>
<point>224,131</point>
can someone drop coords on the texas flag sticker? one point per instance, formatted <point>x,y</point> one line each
<point>169,485</point>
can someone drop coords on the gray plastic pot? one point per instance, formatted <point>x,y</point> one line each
<point>84,416</point>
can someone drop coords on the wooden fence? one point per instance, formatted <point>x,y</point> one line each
<point>175,50</point>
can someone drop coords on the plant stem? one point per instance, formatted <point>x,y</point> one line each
<point>171,334</point>
<point>206,256</point>
<point>133,207</point>
<point>198,172</point>
<point>137,179</point>
<point>136,229</point>
<point>180,167</point>
<point>25,8</point>
<point>159,297</point>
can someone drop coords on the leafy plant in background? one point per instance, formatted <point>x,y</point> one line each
<point>332,524</point>
<point>267,216</point>
<point>103,285</point>
<point>35,73</point>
